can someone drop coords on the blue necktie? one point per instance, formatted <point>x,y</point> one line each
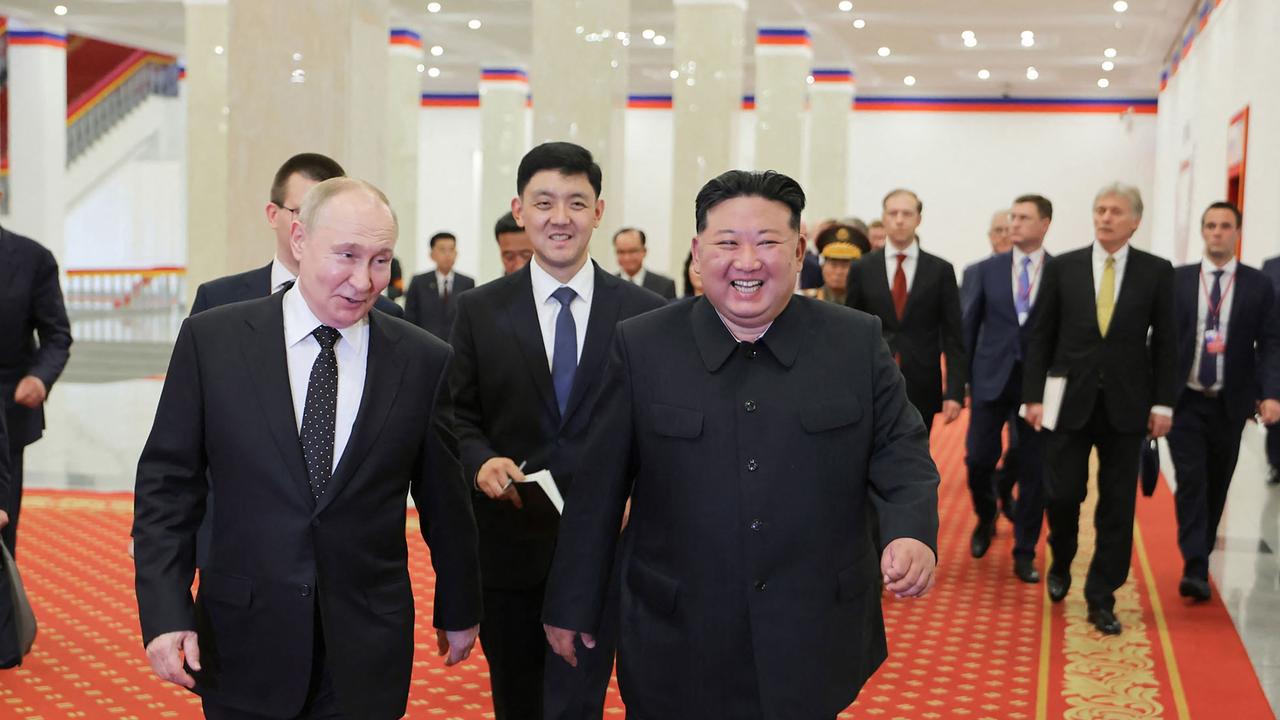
<point>1022,303</point>
<point>564,353</point>
<point>1209,361</point>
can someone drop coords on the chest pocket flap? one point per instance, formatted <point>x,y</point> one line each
<point>672,421</point>
<point>831,414</point>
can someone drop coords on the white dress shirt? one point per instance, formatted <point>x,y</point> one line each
<point>301,351</point>
<point>441,281</point>
<point>1205,286</point>
<point>637,279</point>
<point>1033,274</point>
<point>280,275</point>
<point>1100,262</point>
<point>583,283</point>
<point>908,265</point>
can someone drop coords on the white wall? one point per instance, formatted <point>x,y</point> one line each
<point>1231,64</point>
<point>449,186</point>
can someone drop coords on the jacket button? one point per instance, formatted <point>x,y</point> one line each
<point>756,524</point>
<point>760,586</point>
<point>752,465</point>
<point>305,591</point>
<point>749,406</point>
<point>753,353</point>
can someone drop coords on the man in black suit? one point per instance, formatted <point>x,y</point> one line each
<point>998,236</point>
<point>35,342</point>
<point>1229,360</point>
<point>629,246</point>
<point>997,331</point>
<point>312,417</point>
<point>1094,311</point>
<point>431,303</point>
<point>751,582</point>
<point>1271,269</point>
<point>914,295</point>
<point>531,349</point>
<point>295,177</point>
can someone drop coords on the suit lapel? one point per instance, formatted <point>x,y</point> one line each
<point>605,308</point>
<point>522,321</point>
<point>878,286</point>
<point>8,263</point>
<point>264,354</point>
<point>1188,289</point>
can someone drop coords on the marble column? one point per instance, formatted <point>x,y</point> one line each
<point>318,86</point>
<point>580,39</point>
<point>38,133</point>
<point>504,139</point>
<point>830,106</point>
<point>205,89</point>
<point>706,100</point>
<point>404,106</point>
<point>783,59</point>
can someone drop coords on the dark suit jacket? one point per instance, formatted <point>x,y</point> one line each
<point>31,309</point>
<point>1271,268</point>
<point>1132,374</point>
<point>930,326</point>
<point>968,278</point>
<point>226,408</point>
<point>1251,363</point>
<point>254,284</point>
<point>424,307</point>
<point>993,337</point>
<point>748,559</point>
<point>506,407</point>
<point>661,284</point>
<point>810,272</point>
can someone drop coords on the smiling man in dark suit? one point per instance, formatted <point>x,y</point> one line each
<point>432,300</point>
<point>751,581</point>
<point>313,418</point>
<point>914,294</point>
<point>1104,320</point>
<point>1229,362</point>
<point>629,246</point>
<point>531,351</point>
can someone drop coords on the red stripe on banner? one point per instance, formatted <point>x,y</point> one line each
<point>863,105</point>
<point>649,104</point>
<point>30,41</point>
<point>407,41</point>
<point>748,104</point>
<point>782,40</point>
<point>504,76</point>
<point>818,79</point>
<point>450,102</point>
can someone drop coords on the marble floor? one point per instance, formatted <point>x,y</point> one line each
<point>97,430</point>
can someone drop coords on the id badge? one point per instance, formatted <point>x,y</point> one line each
<point>1214,342</point>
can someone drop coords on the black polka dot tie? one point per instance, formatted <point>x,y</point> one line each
<point>319,415</point>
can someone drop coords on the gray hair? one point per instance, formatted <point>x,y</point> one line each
<point>1128,192</point>
<point>321,193</point>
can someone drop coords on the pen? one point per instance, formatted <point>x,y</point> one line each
<point>510,480</point>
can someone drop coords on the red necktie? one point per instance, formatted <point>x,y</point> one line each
<point>900,287</point>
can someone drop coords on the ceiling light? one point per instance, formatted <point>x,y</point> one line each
<point>1028,40</point>
<point>971,42</point>
<point>984,74</point>
<point>809,79</point>
<point>883,52</point>
<point>60,10</point>
<point>967,34</point>
<point>297,57</point>
<point>626,42</point>
<point>422,68</point>
<point>218,50</point>
<point>1103,82</point>
<point>859,23</point>
<point>436,50</point>
<point>474,24</point>
<point>674,74</point>
<point>648,34</point>
<point>909,80</point>
<point>1120,6</point>
<point>1109,52</point>
<point>433,7</point>
<point>659,39</point>
<point>1032,73</point>
<point>1028,33</point>
<point>1108,66</point>
<point>845,6</point>
<point>433,72</point>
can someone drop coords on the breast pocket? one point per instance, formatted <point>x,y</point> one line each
<point>676,422</point>
<point>831,415</point>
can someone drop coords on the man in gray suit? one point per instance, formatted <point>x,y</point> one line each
<point>629,244</point>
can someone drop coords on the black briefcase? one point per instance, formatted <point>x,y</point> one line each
<point>17,622</point>
<point>1149,467</point>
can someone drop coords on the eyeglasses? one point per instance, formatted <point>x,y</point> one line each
<point>295,211</point>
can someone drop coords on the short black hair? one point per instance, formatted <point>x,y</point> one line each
<point>312,166</point>
<point>1043,206</point>
<point>904,191</point>
<point>637,231</point>
<point>565,158</point>
<point>1223,205</point>
<point>506,224</point>
<point>769,185</point>
<point>443,236</point>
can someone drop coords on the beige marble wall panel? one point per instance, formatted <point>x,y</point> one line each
<point>205,91</point>
<point>404,104</point>
<point>503,141</point>
<point>780,93</point>
<point>830,104</point>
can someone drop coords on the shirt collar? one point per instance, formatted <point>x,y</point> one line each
<point>1208,268</point>
<point>441,277</point>
<point>300,322</point>
<point>1100,255</point>
<point>280,275</point>
<point>638,278</point>
<point>583,283</point>
<point>1035,256</point>
<point>912,252</point>
<point>715,342</point>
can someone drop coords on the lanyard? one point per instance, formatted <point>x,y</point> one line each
<point>1215,310</point>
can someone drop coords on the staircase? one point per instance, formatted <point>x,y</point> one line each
<point>101,362</point>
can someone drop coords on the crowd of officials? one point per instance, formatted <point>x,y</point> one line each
<point>737,475</point>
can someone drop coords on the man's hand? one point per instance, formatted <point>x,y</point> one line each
<point>30,392</point>
<point>1269,409</point>
<point>562,642</point>
<point>1158,425</point>
<point>1035,415</point>
<point>950,411</point>
<point>908,566</point>
<point>165,653</point>
<point>497,478</point>
<point>4,518</point>
<point>456,644</point>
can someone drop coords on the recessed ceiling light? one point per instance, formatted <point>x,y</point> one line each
<point>60,10</point>
<point>433,72</point>
<point>1103,82</point>
<point>909,80</point>
<point>297,57</point>
<point>883,52</point>
<point>674,74</point>
<point>436,50</point>
<point>1032,73</point>
<point>626,42</point>
<point>984,74</point>
<point>859,23</point>
<point>648,34</point>
<point>474,24</point>
<point>422,68</point>
<point>971,42</point>
<point>1028,33</point>
<point>433,7</point>
<point>1120,6</point>
<point>1109,52</point>
<point>1108,66</point>
<point>218,50</point>
<point>845,6</point>
<point>967,34</point>
<point>1028,40</point>
<point>809,79</point>
<point>659,39</point>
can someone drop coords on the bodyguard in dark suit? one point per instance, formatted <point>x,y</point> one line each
<point>431,303</point>
<point>914,295</point>
<point>750,577</point>
<point>35,342</point>
<point>1229,360</point>
<point>1093,315</point>
<point>997,332</point>
<point>1271,269</point>
<point>312,417</point>
<point>629,246</point>
<point>531,349</point>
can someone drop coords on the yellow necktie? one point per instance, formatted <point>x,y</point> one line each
<point>1107,295</point>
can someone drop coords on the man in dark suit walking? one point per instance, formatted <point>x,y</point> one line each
<point>531,350</point>
<point>35,342</point>
<point>998,236</point>
<point>997,332</point>
<point>1095,309</point>
<point>751,582</point>
<point>629,246</point>
<point>1229,360</point>
<point>295,177</point>
<point>431,303</point>
<point>1271,269</point>
<point>914,295</point>
<point>313,418</point>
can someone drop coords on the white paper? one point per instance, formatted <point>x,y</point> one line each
<point>548,484</point>
<point>1055,387</point>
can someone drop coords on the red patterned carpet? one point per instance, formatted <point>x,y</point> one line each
<point>981,646</point>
